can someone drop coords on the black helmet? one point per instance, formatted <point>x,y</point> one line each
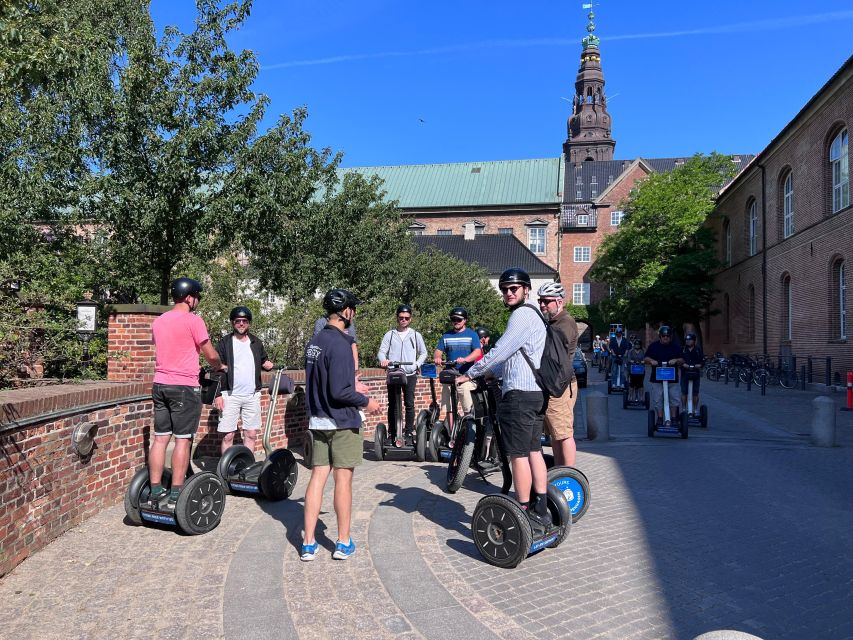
<point>482,332</point>
<point>404,308</point>
<point>665,331</point>
<point>690,336</point>
<point>460,312</point>
<point>241,312</point>
<point>339,299</point>
<point>619,330</point>
<point>515,275</point>
<point>183,287</point>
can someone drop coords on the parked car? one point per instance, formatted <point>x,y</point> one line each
<point>579,363</point>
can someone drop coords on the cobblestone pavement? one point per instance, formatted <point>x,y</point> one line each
<point>743,526</point>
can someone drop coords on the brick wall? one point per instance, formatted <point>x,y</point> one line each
<point>130,350</point>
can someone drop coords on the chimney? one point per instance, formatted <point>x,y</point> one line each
<point>469,231</point>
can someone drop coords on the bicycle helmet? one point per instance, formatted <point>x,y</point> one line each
<point>482,332</point>
<point>665,331</point>
<point>404,308</point>
<point>337,300</point>
<point>515,275</point>
<point>552,290</point>
<point>619,331</point>
<point>690,336</point>
<point>240,312</point>
<point>458,312</point>
<point>183,287</point>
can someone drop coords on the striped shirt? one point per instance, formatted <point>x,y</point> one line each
<point>525,330</point>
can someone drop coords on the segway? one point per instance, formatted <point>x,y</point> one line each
<point>275,476</point>
<point>636,368</point>
<point>617,384</point>
<point>665,375</point>
<point>689,418</point>
<point>443,438</point>
<point>426,419</point>
<point>397,440</point>
<point>202,499</point>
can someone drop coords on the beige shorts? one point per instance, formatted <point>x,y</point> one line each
<point>338,448</point>
<point>560,416</point>
<point>463,397</point>
<point>245,408</point>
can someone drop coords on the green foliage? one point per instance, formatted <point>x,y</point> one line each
<point>661,260</point>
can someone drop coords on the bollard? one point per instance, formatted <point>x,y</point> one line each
<point>597,421</point>
<point>811,372</point>
<point>727,375</point>
<point>803,377</point>
<point>749,383</point>
<point>849,406</point>
<point>823,422</point>
<point>737,381</point>
<point>827,380</point>
<point>764,385</point>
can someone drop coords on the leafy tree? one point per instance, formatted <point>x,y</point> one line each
<point>661,260</point>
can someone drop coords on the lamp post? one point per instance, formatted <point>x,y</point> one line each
<point>87,322</point>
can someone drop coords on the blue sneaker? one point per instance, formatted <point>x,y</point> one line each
<point>309,551</point>
<point>344,551</point>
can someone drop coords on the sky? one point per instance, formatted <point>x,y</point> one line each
<point>439,81</point>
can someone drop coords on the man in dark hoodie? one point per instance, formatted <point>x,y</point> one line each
<point>335,403</point>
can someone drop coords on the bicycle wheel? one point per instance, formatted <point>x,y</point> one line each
<point>712,373</point>
<point>788,379</point>
<point>745,374</point>
<point>759,376</point>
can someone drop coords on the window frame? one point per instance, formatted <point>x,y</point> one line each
<point>538,229</point>
<point>584,250</point>
<point>840,179</point>
<point>580,293</point>
<point>788,205</point>
<point>505,231</point>
<point>752,227</point>
<point>444,232</point>
<point>620,217</point>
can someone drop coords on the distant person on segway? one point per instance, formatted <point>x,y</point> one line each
<point>521,410</point>
<point>244,355</point>
<point>618,347</point>
<point>461,345</point>
<point>662,352</point>
<point>691,355</point>
<point>404,344</point>
<point>179,336</point>
<point>560,415</point>
<point>636,355</point>
<point>485,337</point>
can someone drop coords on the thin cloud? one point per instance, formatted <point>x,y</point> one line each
<point>771,24</point>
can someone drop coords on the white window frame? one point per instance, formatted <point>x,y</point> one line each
<point>582,220</point>
<point>504,231</point>
<point>583,254</point>
<point>534,242</point>
<point>580,293</point>
<point>788,205</point>
<point>616,218</point>
<point>839,171</point>
<point>753,228</point>
<point>444,232</point>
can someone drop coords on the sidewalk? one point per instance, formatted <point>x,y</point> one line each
<point>745,526</point>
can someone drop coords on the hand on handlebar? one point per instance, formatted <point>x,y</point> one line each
<point>384,363</point>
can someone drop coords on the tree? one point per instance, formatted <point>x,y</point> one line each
<point>661,260</point>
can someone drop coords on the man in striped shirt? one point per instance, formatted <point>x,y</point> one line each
<point>522,406</point>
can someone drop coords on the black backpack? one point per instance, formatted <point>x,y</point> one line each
<point>556,370</point>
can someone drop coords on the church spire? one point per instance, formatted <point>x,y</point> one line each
<point>589,125</point>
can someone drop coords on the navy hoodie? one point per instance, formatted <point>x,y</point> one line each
<point>330,379</point>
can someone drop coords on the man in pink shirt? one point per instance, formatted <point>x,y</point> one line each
<point>179,336</point>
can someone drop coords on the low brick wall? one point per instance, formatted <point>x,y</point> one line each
<point>46,488</point>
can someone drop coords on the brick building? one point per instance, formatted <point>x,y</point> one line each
<point>785,234</point>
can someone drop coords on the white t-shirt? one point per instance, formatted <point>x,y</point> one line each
<point>244,368</point>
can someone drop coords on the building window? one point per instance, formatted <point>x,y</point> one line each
<point>582,254</point>
<point>536,239</point>
<point>578,194</point>
<point>839,171</point>
<point>788,205</point>
<point>727,242</point>
<point>787,310</point>
<point>839,300</point>
<point>271,298</point>
<point>443,232</point>
<point>580,293</point>
<point>416,232</point>
<point>611,291</point>
<point>504,231</point>
<point>593,193</point>
<point>594,180</point>
<point>753,228</point>
<point>750,316</point>
<point>582,219</point>
<point>579,181</point>
<point>616,218</point>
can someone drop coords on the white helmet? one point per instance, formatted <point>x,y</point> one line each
<point>598,337</point>
<point>552,290</point>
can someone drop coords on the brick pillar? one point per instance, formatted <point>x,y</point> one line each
<point>130,352</point>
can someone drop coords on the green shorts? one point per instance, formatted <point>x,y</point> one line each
<point>338,448</point>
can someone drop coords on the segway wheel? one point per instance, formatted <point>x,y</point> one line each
<point>200,504</point>
<point>460,458</point>
<point>232,462</point>
<point>575,489</point>
<point>684,424</point>
<point>139,490</point>
<point>379,441</point>
<point>278,475</point>
<point>703,416</point>
<point>647,400</point>
<point>421,428</point>
<point>609,388</point>
<point>308,449</point>
<point>501,531</point>
<point>561,514</point>
<point>437,441</point>
<point>625,399</point>
<point>652,422</point>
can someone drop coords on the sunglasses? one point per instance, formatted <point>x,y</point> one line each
<point>546,301</point>
<point>241,321</point>
<point>404,317</point>
<point>510,289</point>
<point>456,319</point>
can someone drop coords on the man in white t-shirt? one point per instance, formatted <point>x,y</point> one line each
<point>245,356</point>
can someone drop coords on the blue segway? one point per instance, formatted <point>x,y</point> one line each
<point>636,368</point>
<point>690,417</point>
<point>665,375</point>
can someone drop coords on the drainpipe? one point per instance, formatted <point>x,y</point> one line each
<point>764,256</point>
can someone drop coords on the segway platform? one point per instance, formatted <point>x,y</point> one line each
<point>665,375</point>
<point>198,509</point>
<point>413,443</point>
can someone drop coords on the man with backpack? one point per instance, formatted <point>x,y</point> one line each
<point>560,415</point>
<point>516,358</point>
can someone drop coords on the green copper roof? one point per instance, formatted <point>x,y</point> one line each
<point>471,184</point>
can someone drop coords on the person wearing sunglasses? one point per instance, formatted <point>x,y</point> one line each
<point>244,356</point>
<point>461,345</point>
<point>521,410</point>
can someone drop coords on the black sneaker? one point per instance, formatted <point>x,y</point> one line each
<point>539,522</point>
<point>155,500</point>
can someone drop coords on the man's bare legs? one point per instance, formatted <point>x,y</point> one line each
<point>565,452</point>
<point>314,499</point>
<point>343,502</point>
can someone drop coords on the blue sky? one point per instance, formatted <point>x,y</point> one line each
<point>436,81</point>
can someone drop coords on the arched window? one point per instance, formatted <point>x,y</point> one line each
<point>752,223</point>
<point>750,317</point>
<point>788,205</point>
<point>787,309</point>
<point>727,242</point>
<point>727,318</point>
<point>839,172</point>
<point>838,300</point>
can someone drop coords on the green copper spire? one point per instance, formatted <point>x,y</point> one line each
<point>591,40</point>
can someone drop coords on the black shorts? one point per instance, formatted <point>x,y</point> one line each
<point>177,409</point>
<point>685,381</point>
<point>636,380</point>
<point>522,415</point>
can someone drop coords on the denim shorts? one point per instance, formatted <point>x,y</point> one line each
<point>177,409</point>
<point>521,415</point>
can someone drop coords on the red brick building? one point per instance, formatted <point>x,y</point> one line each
<point>785,234</point>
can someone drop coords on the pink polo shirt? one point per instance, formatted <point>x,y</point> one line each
<point>178,336</point>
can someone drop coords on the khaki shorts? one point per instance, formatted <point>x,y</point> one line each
<point>673,392</point>
<point>338,448</point>
<point>560,416</point>
<point>464,402</point>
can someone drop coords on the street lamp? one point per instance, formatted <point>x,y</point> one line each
<point>87,322</point>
